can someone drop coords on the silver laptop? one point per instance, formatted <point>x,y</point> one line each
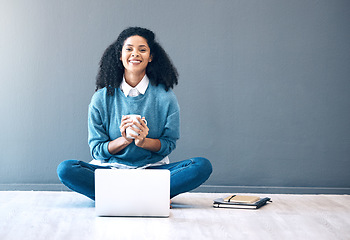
<point>132,192</point>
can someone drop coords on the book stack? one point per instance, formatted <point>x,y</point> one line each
<point>241,201</point>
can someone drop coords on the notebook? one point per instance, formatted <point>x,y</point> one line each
<point>241,201</point>
<point>132,192</point>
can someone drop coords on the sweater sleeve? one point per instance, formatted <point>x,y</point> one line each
<point>98,137</point>
<point>171,131</point>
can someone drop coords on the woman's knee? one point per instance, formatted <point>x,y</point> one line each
<point>64,169</point>
<point>204,165</point>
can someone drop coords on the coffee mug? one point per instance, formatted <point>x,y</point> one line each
<point>129,130</point>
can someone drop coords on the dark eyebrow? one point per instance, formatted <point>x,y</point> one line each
<point>133,45</point>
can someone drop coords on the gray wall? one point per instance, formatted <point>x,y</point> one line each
<point>264,87</point>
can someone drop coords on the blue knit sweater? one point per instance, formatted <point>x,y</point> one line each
<point>159,107</point>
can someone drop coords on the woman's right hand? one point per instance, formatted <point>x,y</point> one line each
<point>122,142</point>
<point>125,123</point>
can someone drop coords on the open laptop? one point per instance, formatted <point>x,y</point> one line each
<point>132,192</point>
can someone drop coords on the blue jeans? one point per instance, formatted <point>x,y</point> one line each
<point>184,175</point>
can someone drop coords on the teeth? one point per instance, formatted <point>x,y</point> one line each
<point>135,61</point>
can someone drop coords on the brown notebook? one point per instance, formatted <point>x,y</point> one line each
<point>242,199</point>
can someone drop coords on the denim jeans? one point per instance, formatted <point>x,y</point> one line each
<point>185,175</point>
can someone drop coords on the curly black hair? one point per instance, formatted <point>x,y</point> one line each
<point>160,71</point>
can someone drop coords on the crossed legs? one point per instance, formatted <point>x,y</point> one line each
<point>185,175</point>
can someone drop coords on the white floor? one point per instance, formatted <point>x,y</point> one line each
<point>67,215</point>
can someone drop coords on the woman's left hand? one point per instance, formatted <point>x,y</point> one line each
<point>142,132</point>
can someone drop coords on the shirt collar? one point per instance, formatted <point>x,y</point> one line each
<point>141,87</point>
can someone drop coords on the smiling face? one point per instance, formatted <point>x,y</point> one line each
<point>135,55</point>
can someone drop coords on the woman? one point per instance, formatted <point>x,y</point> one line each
<point>135,77</point>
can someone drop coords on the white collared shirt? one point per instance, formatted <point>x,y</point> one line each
<point>140,88</point>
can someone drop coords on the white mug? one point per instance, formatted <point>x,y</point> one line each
<point>129,130</point>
